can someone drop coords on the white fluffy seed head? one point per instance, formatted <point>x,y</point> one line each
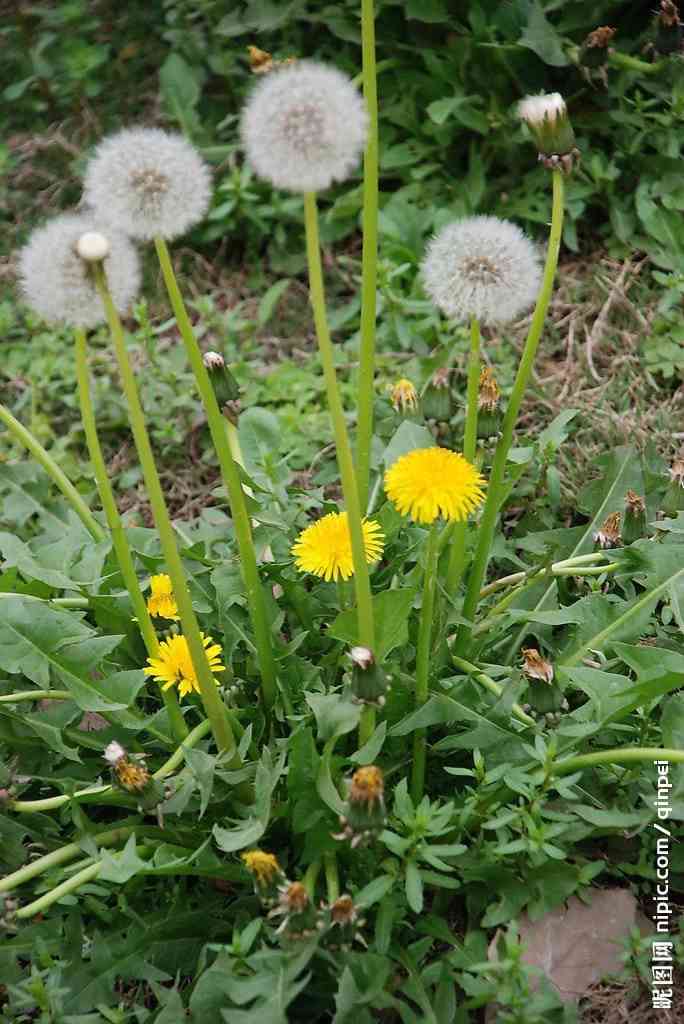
<point>58,283</point>
<point>534,109</point>
<point>481,267</point>
<point>114,752</point>
<point>93,246</point>
<point>213,360</point>
<point>304,127</point>
<point>148,183</point>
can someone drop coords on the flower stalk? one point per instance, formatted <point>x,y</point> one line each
<point>231,478</point>
<point>369,258</point>
<point>213,705</point>
<point>423,661</point>
<point>495,488</point>
<point>460,532</point>
<point>120,544</point>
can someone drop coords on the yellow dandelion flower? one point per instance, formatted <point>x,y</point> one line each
<point>161,601</point>
<point>264,866</point>
<point>403,395</point>
<point>324,548</point>
<point>429,482</point>
<point>174,667</point>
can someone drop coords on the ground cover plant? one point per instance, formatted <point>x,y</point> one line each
<point>303,751</point>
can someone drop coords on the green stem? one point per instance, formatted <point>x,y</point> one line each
<point>423,661</point>
<point>16,698</point>
<point>493,687</point>
<point>366,633</point>
<point>231,479</point>
<point>51,803</point>
<point>495,486</point>
<point>366,725</point>
<point>213,705</point>
<point>26,438</point>
<point>59,602</point>
<point>460,531</point>
<point>369,263</point>
<point>618,755</point>
<point>61,856</point>
<point>87,874</point>
<point>121,548</point>
<point>332,880</point>
<point>310,877</point>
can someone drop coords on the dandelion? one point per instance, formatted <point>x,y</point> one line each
<point>266,872</point>
<point>369,682</point>
<point>131,775</point>
<point>429,482</point>
<point>608,534</point>
<point>304,127</point>
<point>481,267</point>
<point>148,182</point>
<point>364,813</point>
<point>546,116</point>
<point>324,548</point>
<point>173,665</point>
<point>535,666</point>
<point>161,601</point>
<point>58,283</point>
<point>403,395</point>
<point>295,907</point>
<point>634,520</point>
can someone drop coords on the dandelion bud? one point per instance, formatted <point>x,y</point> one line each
<point>608,536</point>
<point>545,698</point>
<point>341,920</point>
<point>225,386</point>
<point>674,496</point>
<point>56,278</point>
<point>634,522</point>
<point>365,814</point>
<point>131,774</point>
<point>304,127</point>
<point>437,399</point>
<point>668,27</point>
<point>265,871</point>
<point>148,183</point>
<point>297,911</point>
<point>546,116</point>
<point>93,247</point>
<point>404,396</point>
<point>481,267</point>
<point>488,404</point>
<point>594,51</point>
<point>369,682</point>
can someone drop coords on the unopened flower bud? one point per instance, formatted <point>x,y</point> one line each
<point>365,813</point>
<point>488,404</point>
<point>608,535</point>
<point>436,401</point>
<point>668,28</point>
<point>297,911</point>
<point>634,521</point>
<point>369,682</point>
<point>93,247</point>
<point>224,384</point>
<point>594,50</point>
<point>674,496</point>
<point>546,116</point>
<point>545,698</point>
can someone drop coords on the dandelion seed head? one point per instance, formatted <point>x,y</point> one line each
<point>304,127</point>
<point>148,182</point>
<point>93,246</point>
<point>481,267</point>
<point>58,283</point>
